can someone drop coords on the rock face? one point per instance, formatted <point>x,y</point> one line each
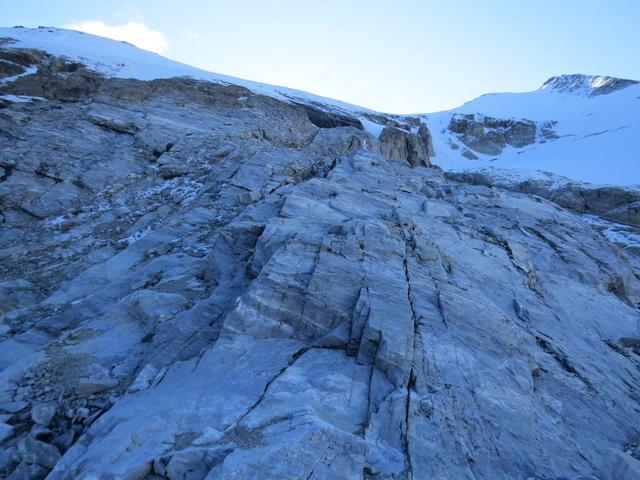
<point>491,135</point>
<point>287,301</point>
<point>617,204</point>
<point>398,144</point>
<point>590,85</point>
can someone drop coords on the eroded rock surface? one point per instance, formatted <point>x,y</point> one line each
<point>614,203</point>
<point>399,144</point>
<point>490,135</point>
<point>198,282</point>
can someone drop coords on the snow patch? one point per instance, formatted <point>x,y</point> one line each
<point>373,128</point>
<point>28,71</point>
<point>625,236</point>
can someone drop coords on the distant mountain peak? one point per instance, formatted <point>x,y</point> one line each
<point>588,85</point>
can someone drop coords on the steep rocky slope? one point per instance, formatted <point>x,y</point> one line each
<point>199,281</point>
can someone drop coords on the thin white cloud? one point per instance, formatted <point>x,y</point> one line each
<point>136,33</point>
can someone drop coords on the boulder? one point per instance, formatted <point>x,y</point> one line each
<point>35,452</point>
<point>43,413</point>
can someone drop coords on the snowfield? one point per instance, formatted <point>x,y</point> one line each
<point>599,136</point>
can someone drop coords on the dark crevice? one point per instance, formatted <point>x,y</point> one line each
<point>410,246</point>
<point>292,360</point>
<point>7,172</point>
<point>440,304</point>
<point>42,171</point>
<point>563,360</point>
<point>529,274</point>
<point>323,119</point>
<point>554,246</point>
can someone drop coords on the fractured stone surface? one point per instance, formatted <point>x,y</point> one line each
<point>287,301</point>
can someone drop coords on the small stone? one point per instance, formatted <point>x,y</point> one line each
<point>95,385</point>
<point>43,413</point>
<point>172,170</point>
<point>82,413</point>
<point>144,378</point>
<point>195,462</point>
<point>36,452</point>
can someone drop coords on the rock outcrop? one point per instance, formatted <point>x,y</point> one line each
<point>491,135</point>
<point>399,144</point>
<point>617,204</point>
<point>199,282</point>
<point>590,85</point>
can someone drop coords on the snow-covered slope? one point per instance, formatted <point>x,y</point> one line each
<point>587,128</point>
<point>596,121</point>
<point>123,60</point>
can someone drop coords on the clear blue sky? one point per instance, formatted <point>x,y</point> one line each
<point>396,56</point>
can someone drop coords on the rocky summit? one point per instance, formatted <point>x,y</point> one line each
<point>199,281</point>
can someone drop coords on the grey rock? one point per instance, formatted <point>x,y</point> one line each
<point>6,431</point>
<point>299,302</point>
<point>43,413</point>
<point>325,118</point>
<point>490,135</point>
<point>13,407</point>
<point>469,154</point>
<point>33,451</point>
<point>27,471</point>
<point>9,458</point>
<point>397,144</point>
<point>64,441</point>
<point>587,84</point>
<point>92,385</point>
<point>613,203</point>
<point>192,463</point>
<point>15,293</point>
<point>144,378</point>
<point>628,213</point>
<point>621,466</point>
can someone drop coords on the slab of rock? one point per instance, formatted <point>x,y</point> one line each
<point>35,452</point>
<point>621,466</point>
<point>28,471</point>
<point>92,385</point>
<point>9,458</point>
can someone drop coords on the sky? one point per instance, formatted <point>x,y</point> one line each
<point>402,56</point>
